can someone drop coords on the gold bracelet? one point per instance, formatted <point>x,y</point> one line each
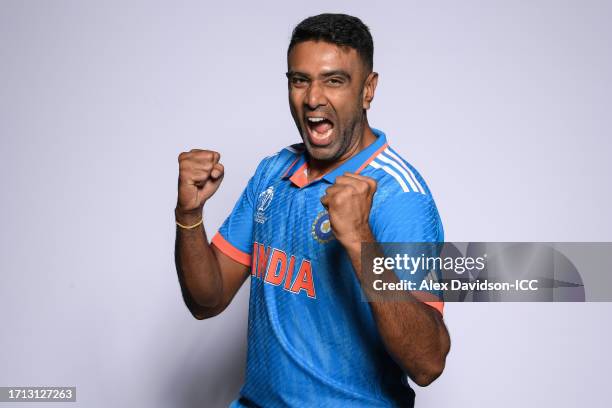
<point>190,226</point>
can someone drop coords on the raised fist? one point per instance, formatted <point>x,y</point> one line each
<point>200,175</point>
<point>348,202</point>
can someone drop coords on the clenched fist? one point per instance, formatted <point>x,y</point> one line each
<point>348,202</point>
<point>200,175</point>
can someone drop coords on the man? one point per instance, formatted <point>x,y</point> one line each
<point>297,232</point>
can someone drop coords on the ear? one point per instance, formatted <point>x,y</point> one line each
<point>369,89</point>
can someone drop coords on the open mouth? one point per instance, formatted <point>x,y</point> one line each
<point>320,130</point>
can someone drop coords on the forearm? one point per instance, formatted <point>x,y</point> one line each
<point>413,332</point>
<point>197,267</point>
<point>415,336</point>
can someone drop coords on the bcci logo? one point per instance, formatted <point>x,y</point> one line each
<point>263,202</point>
<point>321,228</point>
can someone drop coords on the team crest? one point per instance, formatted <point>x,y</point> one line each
<point>263,202</point>
<point>321,228</point>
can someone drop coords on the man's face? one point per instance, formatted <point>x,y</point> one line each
<point>328,92</point>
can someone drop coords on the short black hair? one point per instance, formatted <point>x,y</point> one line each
<point>340,29</point>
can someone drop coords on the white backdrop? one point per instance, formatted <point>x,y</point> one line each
<point>504,107</point>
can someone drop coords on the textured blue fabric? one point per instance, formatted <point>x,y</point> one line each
<point>312,341</point>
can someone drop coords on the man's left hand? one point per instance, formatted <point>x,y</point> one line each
<point>348,202</point>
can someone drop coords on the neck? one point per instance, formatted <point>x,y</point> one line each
<point>317,168</point>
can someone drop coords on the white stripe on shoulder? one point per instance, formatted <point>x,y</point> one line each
<point>390,171</point>
<point>272,155</point>
<point>291,149</point>
<point>399,168</point>
<point>401,162</point>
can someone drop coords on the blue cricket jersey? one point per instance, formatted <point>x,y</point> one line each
<point>312,340</point>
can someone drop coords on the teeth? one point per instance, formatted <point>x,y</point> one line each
<point>316,119</point>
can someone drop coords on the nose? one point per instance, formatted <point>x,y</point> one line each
<point>315,96</point>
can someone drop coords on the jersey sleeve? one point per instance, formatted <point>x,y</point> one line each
<point>411,217</point>
<point>235,236</point>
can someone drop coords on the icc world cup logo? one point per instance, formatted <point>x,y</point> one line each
<point>263,202</point>
<point>265,199</point>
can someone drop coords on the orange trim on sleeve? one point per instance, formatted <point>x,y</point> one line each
<point>439,306</point>
<point>430,300</point>
<point>230,250</point>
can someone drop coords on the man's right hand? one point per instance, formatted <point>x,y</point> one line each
<point>200,175</point>
<point>209,278</point>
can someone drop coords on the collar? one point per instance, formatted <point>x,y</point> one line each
<point>297,170</point>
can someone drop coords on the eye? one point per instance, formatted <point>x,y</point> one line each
<point>335,81</point>
<point>297,81</point>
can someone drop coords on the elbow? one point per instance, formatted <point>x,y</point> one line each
<point>201,313</point>
<point>198,315</point>
<point>430,370</point>
<point>197,312</point>
<point>428,375</point>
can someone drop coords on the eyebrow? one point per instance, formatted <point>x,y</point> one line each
<point>337,72</point>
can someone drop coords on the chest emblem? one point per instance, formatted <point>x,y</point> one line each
<point>321,228</point>
<point>263,202</point>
